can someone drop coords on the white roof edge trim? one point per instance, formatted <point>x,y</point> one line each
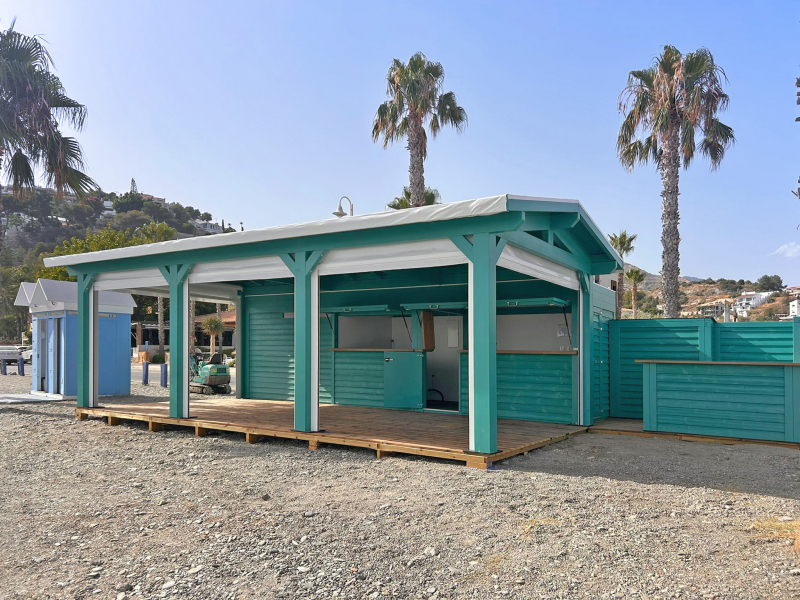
<point>423,214</point>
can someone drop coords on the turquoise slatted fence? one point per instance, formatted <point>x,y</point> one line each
<point>690,340</point>
<point>664,339</point>
<point>359,378</point>
<point>759,402</point>
<point>754,342</point>
<point>532,387</point>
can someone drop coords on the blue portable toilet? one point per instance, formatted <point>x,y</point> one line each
<point>54,313</point>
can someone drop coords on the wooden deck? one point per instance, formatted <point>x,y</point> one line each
<point>385,431</point>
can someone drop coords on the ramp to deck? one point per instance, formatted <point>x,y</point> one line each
<point>385,431</point>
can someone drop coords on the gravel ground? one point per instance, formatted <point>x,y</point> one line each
<point>15,384</point>
<point>116,512</point>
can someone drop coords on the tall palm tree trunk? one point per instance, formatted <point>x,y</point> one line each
<point>670,217</point>
<point>161,326</point>
<point>2,230</point>
<point>416,168</point>
<point>635,300</point>
<point>620,291</point>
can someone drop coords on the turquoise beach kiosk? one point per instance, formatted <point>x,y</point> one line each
<point>473,330</point>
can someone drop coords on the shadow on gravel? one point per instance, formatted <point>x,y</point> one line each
<point>36,409</point>
<point>745,468</point>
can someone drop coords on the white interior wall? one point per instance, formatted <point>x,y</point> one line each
<point>532,332</point>
<point>401,337</point>
<point>365,332</point>
<point>443,361</point>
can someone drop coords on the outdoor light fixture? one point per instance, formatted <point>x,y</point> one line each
<point>339,213</point>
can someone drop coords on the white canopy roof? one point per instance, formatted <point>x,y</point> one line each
<point>50,295</point>
<point>424,214</point>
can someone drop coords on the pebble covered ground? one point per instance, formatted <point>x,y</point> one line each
<point>92,511</point>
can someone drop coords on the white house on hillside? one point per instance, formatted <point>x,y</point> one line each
<point>750,300</point>
<point>206,227</point>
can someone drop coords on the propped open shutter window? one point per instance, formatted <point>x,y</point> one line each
<point>263,267</point>
<point>136,278</point>
<point>522,261</point>
<point>389,257</point>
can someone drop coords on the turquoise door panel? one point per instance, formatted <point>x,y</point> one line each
<point>403,376</point>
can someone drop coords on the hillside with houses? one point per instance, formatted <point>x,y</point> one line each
<point>766,299</point>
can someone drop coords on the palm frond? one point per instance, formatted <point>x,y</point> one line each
<point>20,172</point>
<point>716,139</point>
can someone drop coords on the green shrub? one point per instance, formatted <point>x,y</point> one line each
<point>157,359</point>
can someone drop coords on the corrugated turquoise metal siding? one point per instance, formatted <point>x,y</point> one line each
<point>270,356</point>
<point>531,387</point>
<point>359,378</point>
<point>741,401</point>
<point>601,376</point>
<point>667,339</point>
<point>603,309</point>
<point>754,342</point>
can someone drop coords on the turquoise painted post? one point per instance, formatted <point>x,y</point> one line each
<point>483,343</point>
<point>648,401</point>
<point>586,348</point>
<point>794,412</point>
<point>176,277</point>
<point>706,339</point>
<point>796,339</point>
<point>85,331</point>
<point>306,338</point>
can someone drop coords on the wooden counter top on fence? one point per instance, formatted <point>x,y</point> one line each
<point>528,352</point>
<point>374,350</point>
<point>717,362</point>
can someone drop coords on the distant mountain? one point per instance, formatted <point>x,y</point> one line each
<point>651,281</point>
<point>693,279</point>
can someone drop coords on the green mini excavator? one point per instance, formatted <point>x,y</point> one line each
<point>210,377</point>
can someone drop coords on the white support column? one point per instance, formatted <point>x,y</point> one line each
<point>315,349</point>
<point>471,354</point>
<point>94,347</point>
<point>238,345</point>
<point>188,329</point>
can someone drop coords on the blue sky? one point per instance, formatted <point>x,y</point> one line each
<point>261,112</point>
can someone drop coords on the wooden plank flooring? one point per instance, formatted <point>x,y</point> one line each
<point>385,431</point>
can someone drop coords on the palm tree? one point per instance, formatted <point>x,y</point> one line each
<point>213,326</point>
<point>33,103</point>
<point>416,100</point>
<point>404,201</point>
<point>623,244</point>
<point>635,277</point>
<point>665,107</point>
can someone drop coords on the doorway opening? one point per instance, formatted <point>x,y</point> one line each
<point>443,390</point>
